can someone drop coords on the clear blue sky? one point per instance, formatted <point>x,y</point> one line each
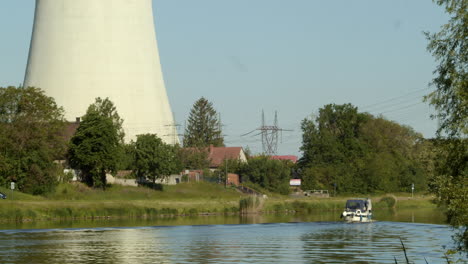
<point>290,56</point>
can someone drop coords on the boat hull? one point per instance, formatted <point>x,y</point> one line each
<point>362,218</point>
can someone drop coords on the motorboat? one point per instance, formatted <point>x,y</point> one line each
<point>358,210</point>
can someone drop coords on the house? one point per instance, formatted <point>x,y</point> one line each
<point>70,129</point>
<point>193,175</point>
<point>173,179</point>
<point>218,154</point>
<point>291,158</point>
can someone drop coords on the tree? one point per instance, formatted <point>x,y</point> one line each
<point>31,128</point>
<point>273,175</point>
<point>194,158</point>
<point>107,109</point>
<point>227,166</point>
<point>331,142</point>
<point>95,148</point>
<point>204,127</point>
<point>353,152</point>
<point>450,99</point>
<point>127,158</point>
<point>155,159</point>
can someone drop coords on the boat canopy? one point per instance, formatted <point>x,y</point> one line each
<point>356,204</point>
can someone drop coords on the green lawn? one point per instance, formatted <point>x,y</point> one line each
<point>78,191</point>
<point>79,201</point>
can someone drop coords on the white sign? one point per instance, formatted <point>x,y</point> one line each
<point>412,186</point>
<point>12,185</point>
<point>295,182</point>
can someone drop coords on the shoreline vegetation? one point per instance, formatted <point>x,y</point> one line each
<point>78,202</point>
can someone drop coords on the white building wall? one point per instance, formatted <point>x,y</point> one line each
<point>83,49</point>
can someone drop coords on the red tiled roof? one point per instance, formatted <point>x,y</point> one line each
<point>70,130</point>
<point>285,157</point>
<point>219,154</point>
<point>123,173</point>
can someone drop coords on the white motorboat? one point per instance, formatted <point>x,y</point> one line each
<point>358,210</point>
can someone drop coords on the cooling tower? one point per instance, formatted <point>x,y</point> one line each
<point>83,49</point>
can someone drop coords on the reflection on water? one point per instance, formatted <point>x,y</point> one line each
<point>314,238</point>
<point>427,216</point>
<point>319,242</point>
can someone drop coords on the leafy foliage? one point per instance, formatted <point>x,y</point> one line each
<point>358,153</point>
<point>194,158</point>
<point>450,99</point>
<point>449,48</point>
<point>272,175</point>
<point>450,184</point>
<point>127,158</point>
<point>228,166</point>
<point>31,127</point>
<point>95,148</point>
<point>204,127</point>
<point>106,108</point>
<point>155,159</point>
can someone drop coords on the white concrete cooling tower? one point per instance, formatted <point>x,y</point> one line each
<point>83,49</point>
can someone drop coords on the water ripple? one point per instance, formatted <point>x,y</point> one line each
<point>325,242</point>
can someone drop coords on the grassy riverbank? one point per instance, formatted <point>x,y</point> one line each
<point>307,204</point>
<point>76,201</point>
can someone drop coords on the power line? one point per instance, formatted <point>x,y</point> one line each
<point>402,108</point>
<point>393,99</point>
<point>269,135</point>
<point>390,105</point>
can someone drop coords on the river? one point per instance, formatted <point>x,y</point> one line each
<point>313,238</point>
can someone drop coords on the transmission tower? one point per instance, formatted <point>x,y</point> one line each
<point>173,132</point>
<point>269,135</point>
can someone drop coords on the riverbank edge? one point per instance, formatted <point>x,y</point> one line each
<point>33,211</point>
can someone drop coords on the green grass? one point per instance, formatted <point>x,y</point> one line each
<point>310,204</point>
<point>79,201</point>
<point>71,201</point>
<point>16,195</point>
<point>78,191</point>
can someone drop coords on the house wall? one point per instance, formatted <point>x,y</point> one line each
<point>242,156</point>
<point>171,180</point>
<point>125,182</point>
<point>233,179</point>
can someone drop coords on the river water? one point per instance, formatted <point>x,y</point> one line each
<point>314,238</point>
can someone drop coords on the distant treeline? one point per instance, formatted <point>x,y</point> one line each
<point>353,152</point>
<point>343,150</point>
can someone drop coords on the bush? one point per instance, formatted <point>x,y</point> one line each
<point>389,200</point>
<point>278,208</point>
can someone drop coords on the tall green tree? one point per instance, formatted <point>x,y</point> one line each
<point>155,159</point>
<point>127,159</point>
<point>450,99</point>
<point>392,161</point>
<point>106,108</point>
<point>31,128</point>
<point>194,158</point>
<point>331,144</point>
<point>203,126</point>
<point>96,148</point>
<point>353,152</point>
<point>273,175</point>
